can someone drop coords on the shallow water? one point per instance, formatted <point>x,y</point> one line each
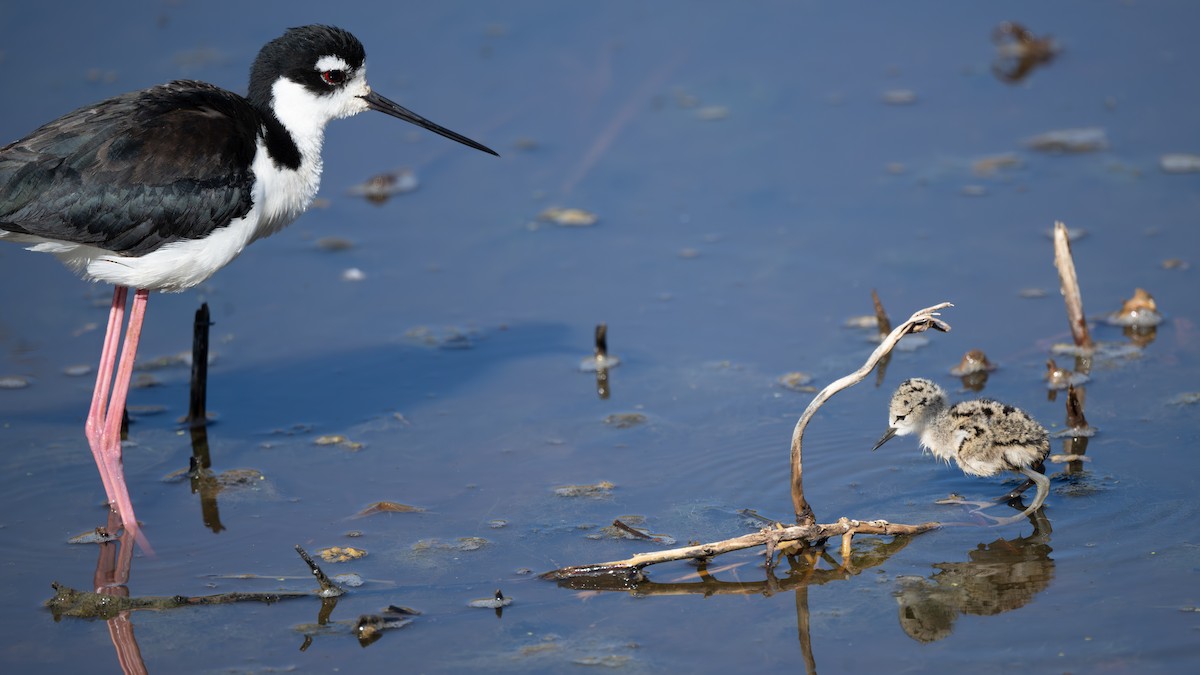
<point>728,252</point>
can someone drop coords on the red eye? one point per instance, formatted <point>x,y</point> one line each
<point>333,77</point>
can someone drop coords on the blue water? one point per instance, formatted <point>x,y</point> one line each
<point>728,252</point>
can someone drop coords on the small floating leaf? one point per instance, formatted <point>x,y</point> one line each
<point>388,507</point>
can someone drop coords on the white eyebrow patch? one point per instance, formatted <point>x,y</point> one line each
<point>332,63</point>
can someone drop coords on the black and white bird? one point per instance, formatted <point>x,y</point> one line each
<point>158,189</point>
<point>983,437</point>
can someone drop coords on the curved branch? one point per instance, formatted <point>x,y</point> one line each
<point>919,322</point>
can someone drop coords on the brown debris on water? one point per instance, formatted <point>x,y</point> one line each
<point>797,381</point>
<point>1019,52</point>
<point>339,440</point>
<point>974,361</point>
<point>341,554</point>
<point>378,189</point>
<point>987,166</point>
<point>387,507</point>
<point>973,369</point>
<point>568,217</point>
<point>1139,310</point>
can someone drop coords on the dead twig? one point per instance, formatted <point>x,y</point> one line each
<point>1070,287</point>
<point>631,568</point>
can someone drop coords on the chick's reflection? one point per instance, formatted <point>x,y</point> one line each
<point>998,577</point>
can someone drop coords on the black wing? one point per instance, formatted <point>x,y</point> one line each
<point>134,172</point>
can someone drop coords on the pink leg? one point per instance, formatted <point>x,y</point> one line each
<point>104,418</point>
<point>94,427</point>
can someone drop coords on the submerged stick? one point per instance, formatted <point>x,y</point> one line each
<point>920,321</point>
<point>68,601</point>
<point>198,401</point>
<point>1070,287</point>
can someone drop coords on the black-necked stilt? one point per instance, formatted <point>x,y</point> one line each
<point>982,437</point>
<point>158,189</point>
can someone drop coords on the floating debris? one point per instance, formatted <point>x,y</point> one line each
<point>899,97</point>
<point>526,144</point>
<point>179,359</point>
<point>1140,311</point>
<point>450,337</point>
<point>337,439</point>
<point>497,523</point>
<point>568,217</point>
<point>78,370</point>
<point>497,601</point>
<point>625,420</point>
<point>1088,139</point>
<point>334,244</point>
<point>974,361</point>
<point>712,113</point>
<point>796,381</point>
<point>1061,378</point>
<point>13,382</point>
<point>145,381</point>
<point>353,274</point>
<point>388,507</point>
<point>989,165</point>
<point>1019,52</point>
<point>598,490</point>
<point>341,554</point>
<point>1186,398</point>
<point>1032,293</point>
<point>1179,163</point>
<point>378,189</point>
<point>1175,264</point>
<point>461,544</point>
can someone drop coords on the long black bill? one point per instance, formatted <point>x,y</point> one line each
<point>383,105</point>
<point>886,437</point>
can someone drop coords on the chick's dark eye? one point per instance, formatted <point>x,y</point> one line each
<point>333,77</point>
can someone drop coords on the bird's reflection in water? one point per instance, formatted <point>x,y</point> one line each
<point>997,577</point>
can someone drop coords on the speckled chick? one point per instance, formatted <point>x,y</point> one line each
<point>983,437</point>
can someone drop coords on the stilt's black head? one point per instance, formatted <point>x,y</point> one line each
<point>295,55</point>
